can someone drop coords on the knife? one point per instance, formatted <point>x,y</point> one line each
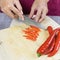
<point>29,21</point>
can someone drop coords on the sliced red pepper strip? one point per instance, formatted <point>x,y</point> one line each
<point>46,44</point>
<point>30,38</point>
<point>29,29</point>
<point>35,35</point>
<point>57,45</point>
<point>31,32</point>
<point>32,35</point>
<point>34,39</point>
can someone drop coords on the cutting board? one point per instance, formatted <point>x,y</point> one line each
<point>47,22</point>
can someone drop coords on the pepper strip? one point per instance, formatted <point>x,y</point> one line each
<point>31,32</point>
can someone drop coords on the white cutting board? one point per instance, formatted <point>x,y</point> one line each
<point>47,22</point>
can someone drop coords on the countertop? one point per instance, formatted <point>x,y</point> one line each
<point>5,21</point>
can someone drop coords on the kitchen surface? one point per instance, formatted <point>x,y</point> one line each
<point>24,38</point>
<point>11,43</point>
<point>5,21</point>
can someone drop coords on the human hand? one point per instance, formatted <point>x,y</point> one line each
<point>12,8</point>
<point>41,9</point>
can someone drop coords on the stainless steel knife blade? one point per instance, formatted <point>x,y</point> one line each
<point>29,21</point>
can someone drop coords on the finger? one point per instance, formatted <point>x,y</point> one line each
<point>38,15</point>
<point>31,13</point>
<point>17,12</point>
<point>33,17</point>
<point>8,12</point>
<point>18,5</point>
<point>44,12</point>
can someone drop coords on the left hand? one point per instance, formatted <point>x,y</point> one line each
<point>41,7</point>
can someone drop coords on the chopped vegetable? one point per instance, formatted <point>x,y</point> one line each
<point>31,32</point>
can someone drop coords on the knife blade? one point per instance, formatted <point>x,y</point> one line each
<point>29,21</point>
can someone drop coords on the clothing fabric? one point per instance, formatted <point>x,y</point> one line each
<point>26,5</point>
<point>53,6</point>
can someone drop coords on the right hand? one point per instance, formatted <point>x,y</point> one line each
<point>41,9</point>
<point>12,8</point>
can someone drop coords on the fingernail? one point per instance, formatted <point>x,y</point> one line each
<point>21,12</point>
<point>33,16</point>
